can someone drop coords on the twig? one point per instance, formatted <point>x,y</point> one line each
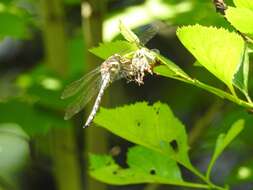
<point>201,125</point>
<point>221,8</point>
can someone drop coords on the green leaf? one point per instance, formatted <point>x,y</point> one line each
<point>220,53</point>
<point>144,166</point>
<point>128,34</point>
<point>13,25</point>
<point>32,119</point>
<point>244,4</point>
<point>240,19</point>
<point>250,48</point>
<point>175,71</point>
<point>223,141</point>
<point>197,64</point>
<point>154,127</point>
<point>6,1</point>
<point>241,76</point>
<point>166,72</point>
<point>105,50</point>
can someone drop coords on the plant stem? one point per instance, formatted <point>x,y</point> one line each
<point>92,19</point>
<point>201,125</point>
<point>221,93</point>
<point>66,164</point>
<point>232,89</point>
<point>248,97</point>
<point>205,179</point>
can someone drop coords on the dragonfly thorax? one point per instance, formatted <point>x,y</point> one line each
<point>143,60</point>
<point>111,65</point>
<point>114,67</point>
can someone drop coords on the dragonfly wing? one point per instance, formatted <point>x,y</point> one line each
<point>128,34</point>
<point>80,102</point>
<point>145,34</point>
<point>148,33</point>
<point>76,86</point>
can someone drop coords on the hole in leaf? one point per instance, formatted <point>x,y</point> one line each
<point>157,110</point>
<point>115,150</point>
<point>152,172</point>
<point>138,123</point>
<point>174,145</point>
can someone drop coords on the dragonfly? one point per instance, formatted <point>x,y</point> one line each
<point>143,58</point>
<point>96,81</point>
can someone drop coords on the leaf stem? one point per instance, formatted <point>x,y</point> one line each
<point>221,94</point>
<point>248,97</point>
<point>205,179</point>
<point>232,89</point>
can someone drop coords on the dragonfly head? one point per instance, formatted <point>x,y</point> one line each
<point>111,66</point>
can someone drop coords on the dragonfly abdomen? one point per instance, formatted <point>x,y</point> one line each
<point>104,85</point>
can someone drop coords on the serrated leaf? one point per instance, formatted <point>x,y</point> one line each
<point>241,19</point>
<point>241,77</point>
<point>128,34</point>
<point>223,141</point>
<point>244,4</point>
<point>220,52</point>
<point>154,127</point>
<point>105,50</point>
<point>144,166</point>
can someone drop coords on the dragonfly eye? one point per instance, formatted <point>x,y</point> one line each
<point>114,66</point>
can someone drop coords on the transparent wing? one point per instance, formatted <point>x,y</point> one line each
<point>80,102</point>
<point>76,86</point>
<point>128,34</point>
<point>141,37</point>
<point>148,33</point>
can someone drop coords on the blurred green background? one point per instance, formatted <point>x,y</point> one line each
<point>44,46</point>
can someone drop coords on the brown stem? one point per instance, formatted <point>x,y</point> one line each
<point>202,123</point>
<point>66,165</point>
<point>92,19</point>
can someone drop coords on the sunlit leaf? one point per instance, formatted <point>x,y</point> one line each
<point>240,19</point>
<point>220,53</point>
<point>144,166</point>
<point>241,76</point>
<point>224,140</point>
<point>154,127</point>
<point>244,3</point>
<point>105,50</point>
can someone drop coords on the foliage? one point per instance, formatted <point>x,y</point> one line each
<point>156,128</point>
<point>225,55</point>
<point>222,46</point>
